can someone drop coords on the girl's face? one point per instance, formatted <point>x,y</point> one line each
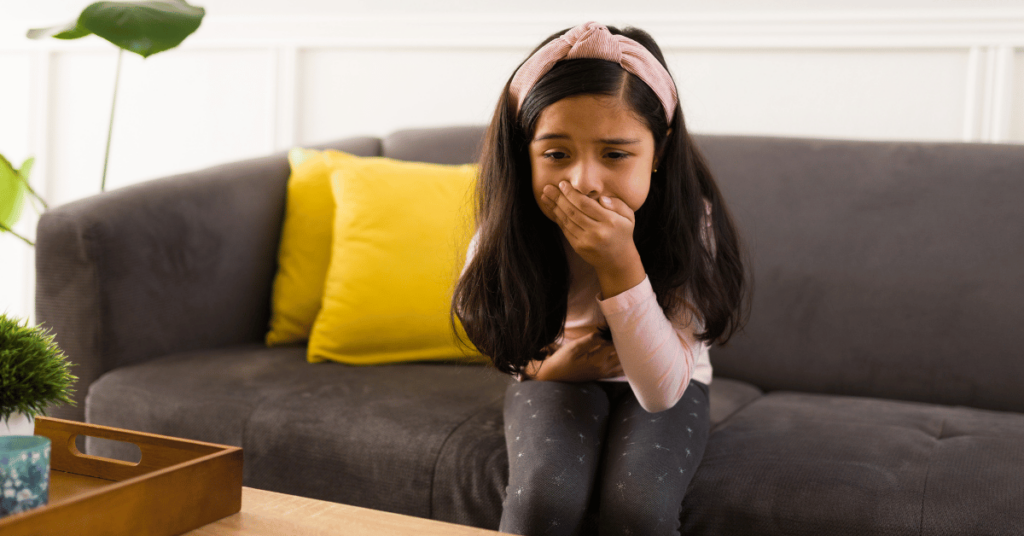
<point>597,144</point>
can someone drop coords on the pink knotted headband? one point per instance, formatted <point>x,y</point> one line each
<point>593,40</point>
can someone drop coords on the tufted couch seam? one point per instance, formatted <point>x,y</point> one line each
<point>724,422</point>
<point>927,472</point>
<point>437,458</point>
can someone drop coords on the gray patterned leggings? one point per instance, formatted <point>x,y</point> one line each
<point>585,458</point>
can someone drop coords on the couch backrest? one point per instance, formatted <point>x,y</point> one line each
<point>879,269</point>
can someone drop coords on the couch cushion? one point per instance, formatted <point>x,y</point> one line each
<point>729,396</point>
<point>472,471</point>
<point>366,436</point>
<point>206,396</point>
<point>421,439</point>
<point>813,464</point>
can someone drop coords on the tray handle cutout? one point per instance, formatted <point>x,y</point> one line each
<point>112,450</point>
<point>157,452</point>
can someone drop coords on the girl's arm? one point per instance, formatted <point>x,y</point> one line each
<point>657,356</point>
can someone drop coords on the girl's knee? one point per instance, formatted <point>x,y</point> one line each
<point>544,500</point>
<point>564,479</point>
<point>635,510</point>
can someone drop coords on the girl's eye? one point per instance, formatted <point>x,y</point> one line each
<point>616,155</point>
<point>556,155</point>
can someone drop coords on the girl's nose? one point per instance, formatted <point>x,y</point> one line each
<point>585,177</point>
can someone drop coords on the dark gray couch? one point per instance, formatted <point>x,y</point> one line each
<point>877,389</point>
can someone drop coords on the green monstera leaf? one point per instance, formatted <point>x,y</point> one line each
<point>12,193</point>
<point>14,188</point>
<point>142,27</point>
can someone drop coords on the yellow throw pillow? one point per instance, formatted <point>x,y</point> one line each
<point>401,230</point>
<point>305,248</point>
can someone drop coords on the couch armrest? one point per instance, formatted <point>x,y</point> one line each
<point>166,266</point>
<point>170,265</point>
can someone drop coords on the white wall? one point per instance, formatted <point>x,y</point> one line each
<point>264,75</point>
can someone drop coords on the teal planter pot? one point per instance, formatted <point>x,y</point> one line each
<point>24,473</point>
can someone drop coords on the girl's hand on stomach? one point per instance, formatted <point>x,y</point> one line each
<point>601,233</point>
<point>584,359</point>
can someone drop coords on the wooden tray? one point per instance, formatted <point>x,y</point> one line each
<point>177,486</point>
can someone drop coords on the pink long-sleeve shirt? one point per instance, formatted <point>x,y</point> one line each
<point>659,356</point>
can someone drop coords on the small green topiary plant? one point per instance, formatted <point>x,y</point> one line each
<point>34,372</point>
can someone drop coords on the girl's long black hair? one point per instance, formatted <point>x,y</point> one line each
<point>512,297</point>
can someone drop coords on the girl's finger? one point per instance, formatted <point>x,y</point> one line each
<point>552,206</point>
<point>615,366</point>
<point>572,214</point>
<point>581,341</point>
<point>549,198</point>
<point>617,206</point>
<point>568,225</point>
<point>588,348</point>
<point>587,207</point>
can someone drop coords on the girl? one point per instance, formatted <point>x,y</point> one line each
<point>603,266</point>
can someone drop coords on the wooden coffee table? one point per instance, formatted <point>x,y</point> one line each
<point>269,513</point>
<point>181,484</point>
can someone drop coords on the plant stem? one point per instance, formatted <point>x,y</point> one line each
<point>33,192</point>
<point>110,129</point>
<point>9,230</point>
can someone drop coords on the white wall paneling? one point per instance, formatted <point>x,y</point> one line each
<point>844,93</point>
<point>246,85</point>
<point>1000,101</point>
<point>1016,101</point>
<point>284,105</point>
<point>83,83</point>
<point>175,112</point>
<point>990,94</point>
<point>19,106</point>
<point>376,91</point>
<point>16,93</point>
